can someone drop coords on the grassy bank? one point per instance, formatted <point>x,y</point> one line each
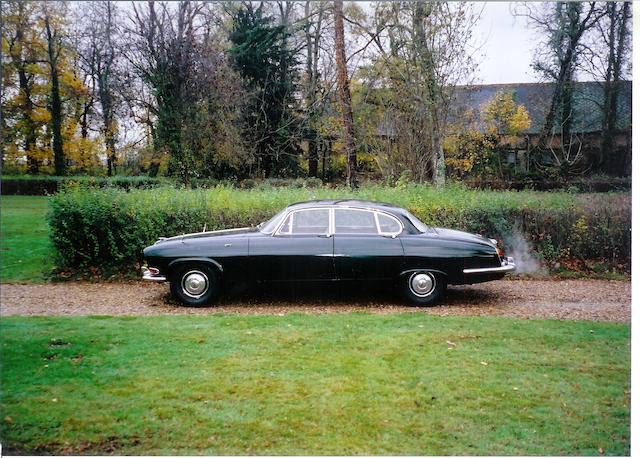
<point>300,384</point>
<point>26,252</point>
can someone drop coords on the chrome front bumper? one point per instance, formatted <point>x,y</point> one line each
<point>508,265</point>
<point>147,275</point>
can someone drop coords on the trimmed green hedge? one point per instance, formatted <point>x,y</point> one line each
<point>38,185</point>
<point>26,185</point>
<point>579,184</point>
<point>108,228</point>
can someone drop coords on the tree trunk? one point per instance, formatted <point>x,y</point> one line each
<point>437,154</point>
<point>105,92</point>
<point>608,114</point>
<point>432,99</point>
<point>27,116</point>
<point>111,154</point>
<point>311,96</point>
<point>31,133</point>
<point>313,155</point>
<point>567,112</point>
<point>55,106</point>
<point>344,96</point>
<point>324,160</point>
<point>56,124</point>
<point>617,37</point>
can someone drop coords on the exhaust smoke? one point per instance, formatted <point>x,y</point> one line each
<point>516,246</point>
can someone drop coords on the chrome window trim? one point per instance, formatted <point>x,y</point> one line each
<point>375,219</point>
<point>391,234</point>
<point>277,231</point>
<point>332,220</point>
<point>284,223</point>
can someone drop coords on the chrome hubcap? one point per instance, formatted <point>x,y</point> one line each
<point>195,284</point>
<point>422,284</point>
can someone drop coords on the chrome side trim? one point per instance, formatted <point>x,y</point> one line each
<point>508,265</point>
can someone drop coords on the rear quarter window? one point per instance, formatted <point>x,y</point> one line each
<point>388,225</point>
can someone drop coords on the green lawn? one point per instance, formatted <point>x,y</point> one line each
<point>26,253</point>
<point>298,384</point>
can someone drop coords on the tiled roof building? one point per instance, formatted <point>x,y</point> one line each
<point>536,97</point>
<point>586,120</point>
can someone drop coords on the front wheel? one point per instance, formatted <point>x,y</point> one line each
<point>423,288</point>
<point>194,284</point>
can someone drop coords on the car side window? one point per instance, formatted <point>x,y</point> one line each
<point>388,225</point>
<point>311,221</point>
<point>350,221</point>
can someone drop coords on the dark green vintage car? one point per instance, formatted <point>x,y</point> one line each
<point>327,240</point>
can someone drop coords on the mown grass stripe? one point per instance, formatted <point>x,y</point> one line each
<point>302,384</point>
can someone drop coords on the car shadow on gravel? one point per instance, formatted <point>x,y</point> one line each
<point>342,294</point>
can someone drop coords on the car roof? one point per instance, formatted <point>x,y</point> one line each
<point>370,204</point>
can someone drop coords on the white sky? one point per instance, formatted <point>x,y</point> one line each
<point>505,41</point>
<point>508,45</point>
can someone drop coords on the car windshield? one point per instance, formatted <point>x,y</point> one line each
<point>417,223</point>
<point>269,226</point>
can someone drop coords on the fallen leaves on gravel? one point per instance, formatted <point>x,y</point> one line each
<point>594,300</point>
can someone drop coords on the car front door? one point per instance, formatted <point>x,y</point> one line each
<point>365,245</point>
<point>301,249</point>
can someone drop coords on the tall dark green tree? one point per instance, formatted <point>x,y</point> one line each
<point>266,63</point>
<point>164,52</point>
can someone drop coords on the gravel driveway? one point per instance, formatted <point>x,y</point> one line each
<point>596,300</point>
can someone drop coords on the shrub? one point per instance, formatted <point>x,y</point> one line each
<point>108,228</point>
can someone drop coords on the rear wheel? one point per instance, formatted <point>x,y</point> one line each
<point>194,284</point>
<point>423,287</point>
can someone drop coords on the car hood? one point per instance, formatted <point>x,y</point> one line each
<point>198,235</point>
<point>451,234</point>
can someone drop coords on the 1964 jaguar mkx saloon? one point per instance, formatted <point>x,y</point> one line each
<point>327,240</point>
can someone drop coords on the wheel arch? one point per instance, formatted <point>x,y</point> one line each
<point>435,271</point>
<point>173,264</point>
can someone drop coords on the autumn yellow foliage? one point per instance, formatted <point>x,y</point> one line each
<point>478,150</point>
<point>503,116</point>
<point>26,88</point>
